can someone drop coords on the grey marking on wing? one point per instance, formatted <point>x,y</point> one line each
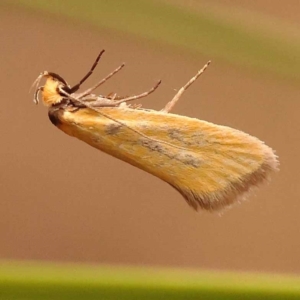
<point>112,128</point>
<point>182,156</point>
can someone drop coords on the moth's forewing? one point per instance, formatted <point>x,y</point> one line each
<point>212,166</point>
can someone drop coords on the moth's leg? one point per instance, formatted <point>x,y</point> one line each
<point>114,96</point>
<point>131,98</point>
<point>36,94</point>
<point>106,102</point>
<point>175,99</point>
<point>98,101</point>
<point>88,91</point>
<point>91,102</point>
<point>77,86</point>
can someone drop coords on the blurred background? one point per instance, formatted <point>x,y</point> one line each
<point>62,200</point>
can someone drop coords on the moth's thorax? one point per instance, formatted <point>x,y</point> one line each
<point>50,93</point>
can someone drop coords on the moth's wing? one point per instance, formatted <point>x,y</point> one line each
<point>221,164</point>
<point>212,166</point>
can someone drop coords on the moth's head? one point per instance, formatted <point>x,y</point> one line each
<point>51,94</point>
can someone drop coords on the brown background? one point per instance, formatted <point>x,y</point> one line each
<point>62,200</point>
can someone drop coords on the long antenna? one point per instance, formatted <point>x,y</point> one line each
<point>77,86</point>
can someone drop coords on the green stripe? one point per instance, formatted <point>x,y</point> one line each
<point>196,32</point>
<point>74,281</point>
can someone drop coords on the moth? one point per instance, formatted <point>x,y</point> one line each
<point>211,166</point>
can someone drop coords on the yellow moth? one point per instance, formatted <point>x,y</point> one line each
<point>212,166</point>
